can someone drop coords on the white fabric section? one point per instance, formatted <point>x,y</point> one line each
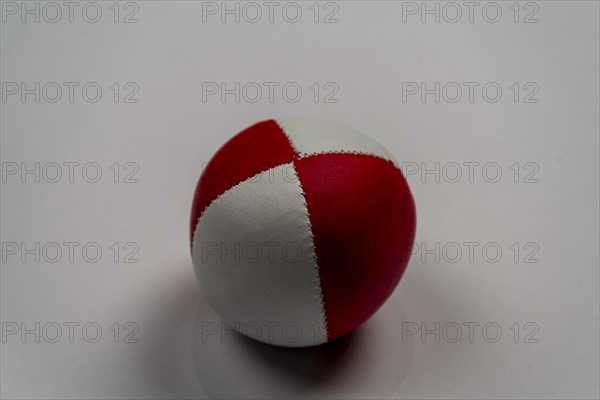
<point>314,136</point>
<point>253,252</point>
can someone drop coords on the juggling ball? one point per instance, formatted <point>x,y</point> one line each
<point>300,230</point>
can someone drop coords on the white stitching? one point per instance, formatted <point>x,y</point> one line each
<point>301,154</point>
<point>291,142</point>
<point>228,190</point>
<point>298,155</point>
<point>355,152</point>
<point>294,157</point>
<point>312,237</point>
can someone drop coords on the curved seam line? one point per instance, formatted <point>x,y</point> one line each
<point>289,139</point>
<point>227,190</point>
<point>303,156</point>
<point>312,236</point>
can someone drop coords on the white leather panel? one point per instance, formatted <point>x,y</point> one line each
<point>254,255</point>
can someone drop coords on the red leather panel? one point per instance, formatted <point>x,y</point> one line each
<point>363,220</point>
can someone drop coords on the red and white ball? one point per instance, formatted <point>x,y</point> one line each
<point>300,230</point>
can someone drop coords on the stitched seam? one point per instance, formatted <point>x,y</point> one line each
<point>312,236</point>
<point>302,156</point>
<point>297,153</point>
<point>228,190</point>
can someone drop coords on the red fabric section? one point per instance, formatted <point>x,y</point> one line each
<point>363,220</point>
<point>255,149</point>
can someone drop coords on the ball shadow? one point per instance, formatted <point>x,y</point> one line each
<point>181,361</point>
<point>303,366</point>
<point>368,363</point>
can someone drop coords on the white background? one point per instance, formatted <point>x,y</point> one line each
<point>171,131</point>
